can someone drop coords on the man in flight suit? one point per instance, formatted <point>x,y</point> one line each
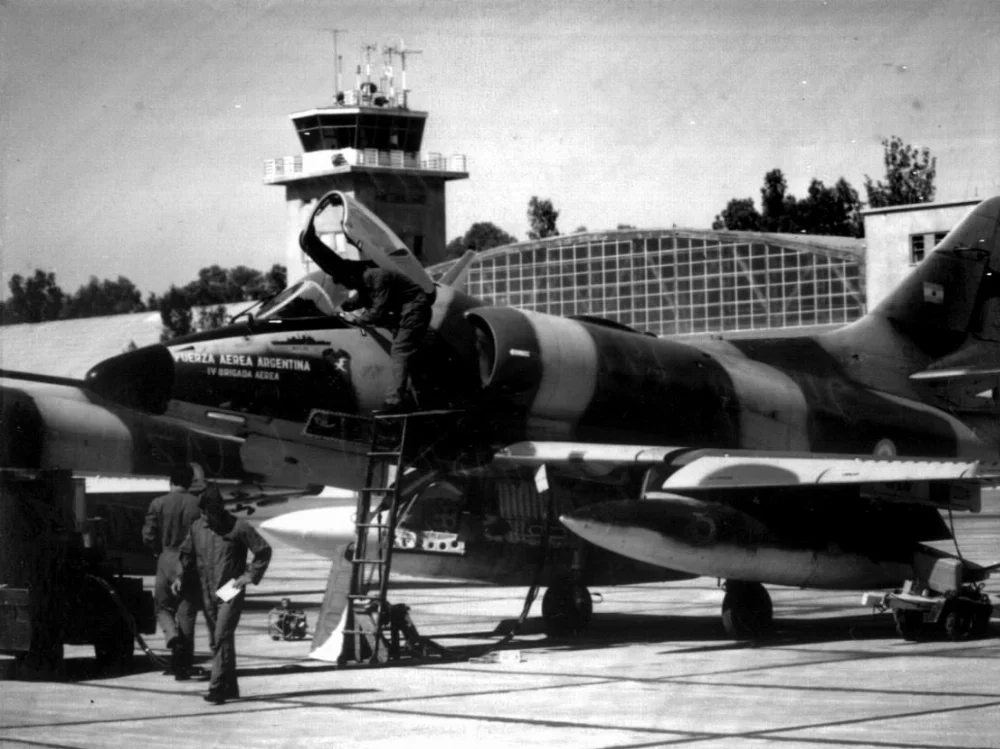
<point>388,299</point>
<point>168,521</point>
<point>216,548</point>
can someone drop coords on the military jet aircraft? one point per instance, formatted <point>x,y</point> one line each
<point>818,461</point>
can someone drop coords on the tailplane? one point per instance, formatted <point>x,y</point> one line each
<point>953,297</point>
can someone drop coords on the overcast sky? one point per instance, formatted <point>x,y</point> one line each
<point>133,132</point>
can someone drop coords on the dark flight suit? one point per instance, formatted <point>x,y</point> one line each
<point>220,555</point>
<point>389,300</point>
<point>168,521</point>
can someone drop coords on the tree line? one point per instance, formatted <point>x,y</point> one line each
<point>39,298</point>
<point>835,210</point>
<point>829,210</point>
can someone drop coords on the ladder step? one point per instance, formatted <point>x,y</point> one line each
<point>372,525</point>
<point>369,561</point>
<point>376,490</point>
<point>385,454</point>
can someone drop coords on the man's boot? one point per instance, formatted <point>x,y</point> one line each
<point>179,661</point>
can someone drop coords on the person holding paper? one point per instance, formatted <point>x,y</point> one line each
<point>217,547</point>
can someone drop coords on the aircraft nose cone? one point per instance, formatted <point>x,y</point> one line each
<point>141,379</point>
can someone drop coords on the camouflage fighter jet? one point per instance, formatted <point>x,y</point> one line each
<point>818,461</point>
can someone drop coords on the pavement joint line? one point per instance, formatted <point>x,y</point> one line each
<point>533,722</point>
<point>32,742</point>
<point>857,721</point>
<point>770,734</point>
<point>150,718</point>
<point>282,700</point>
<point>485,693</point>
<point>857,656</point>
<point>848,690</point>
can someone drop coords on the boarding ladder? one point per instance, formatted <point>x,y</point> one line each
<point>373,627</point>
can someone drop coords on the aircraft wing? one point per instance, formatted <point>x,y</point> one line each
<point>679,469</point>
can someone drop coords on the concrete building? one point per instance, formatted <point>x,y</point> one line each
<point>367,143</point>
<point>900,236</point>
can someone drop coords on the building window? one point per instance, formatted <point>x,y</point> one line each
<point>920,243</point>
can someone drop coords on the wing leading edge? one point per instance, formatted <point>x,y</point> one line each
<point>936,481</point>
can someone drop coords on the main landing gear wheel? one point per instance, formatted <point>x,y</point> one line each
<point>909,624</point>
<point>566,608</point>
<point>746,610</point>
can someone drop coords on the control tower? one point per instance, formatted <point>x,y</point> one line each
<point>367,143</point>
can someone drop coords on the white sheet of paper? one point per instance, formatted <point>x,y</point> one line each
<point>229,591</point>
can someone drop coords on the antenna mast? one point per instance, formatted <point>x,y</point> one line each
<point>338,84</point>
<point>402,51</point>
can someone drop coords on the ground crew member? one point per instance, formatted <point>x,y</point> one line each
<point>168,521</point>
<point>217,549</point>
<point>388,299</point>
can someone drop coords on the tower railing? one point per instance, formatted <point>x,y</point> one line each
<point>322,162</point>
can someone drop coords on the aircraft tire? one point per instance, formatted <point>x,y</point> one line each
<point>981,620</point>
<point>747,612</point>
<point>566,609</point>
<point>958,622</point>
<point>909,624</point>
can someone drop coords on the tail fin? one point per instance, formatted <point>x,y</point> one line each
<point>457,274</point>
<point>955,292</point>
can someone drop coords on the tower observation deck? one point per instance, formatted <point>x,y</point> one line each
<point>367,142</point>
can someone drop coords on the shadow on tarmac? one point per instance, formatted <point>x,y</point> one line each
<point>619,630</point>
